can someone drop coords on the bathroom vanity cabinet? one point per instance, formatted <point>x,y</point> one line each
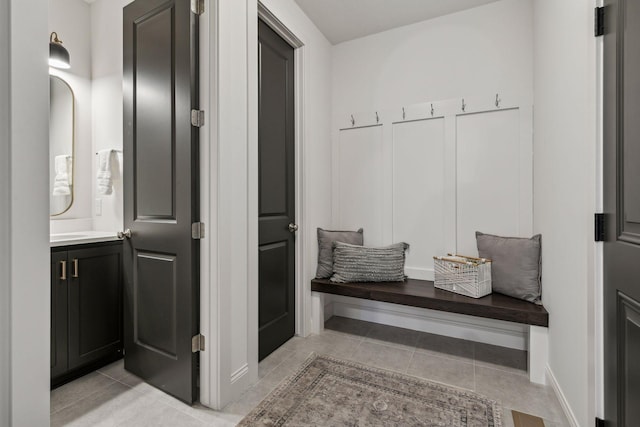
<point>86,308</point>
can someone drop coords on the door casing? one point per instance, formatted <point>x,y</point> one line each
<point>213,392</point>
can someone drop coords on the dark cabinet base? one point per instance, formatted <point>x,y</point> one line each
<point>86,309</point>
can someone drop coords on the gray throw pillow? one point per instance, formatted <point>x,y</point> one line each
<point>353,263</point>
<point>516,264</point>
<point>325,248</point>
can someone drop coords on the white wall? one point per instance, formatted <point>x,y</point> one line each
<point>5,218</point>
<point>24,215</point>
<point>565,191</point>
<point>235,370</point>
<point>234,197</point>
<point>471,53</point>
<point>106,68</point>
<point>93,35</point>
<point>427,70</point>
<point>71,20</point>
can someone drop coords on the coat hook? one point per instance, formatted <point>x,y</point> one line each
<point>377,118</point>
<point>498,101</point>
<point>464,106</point>
<point>432,110</point>
<point>403,114</point>
<point>353,121</point>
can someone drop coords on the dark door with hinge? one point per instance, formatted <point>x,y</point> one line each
<point>622,212</point>
<point>276,191</point>
<point>161,260</point>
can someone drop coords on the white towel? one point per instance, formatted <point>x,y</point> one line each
<point>105,183</point>
<point>64,174</point>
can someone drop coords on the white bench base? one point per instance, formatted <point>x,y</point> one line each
<point>534,339</point>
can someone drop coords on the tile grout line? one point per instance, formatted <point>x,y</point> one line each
<point>390,345</point>
<point>156,399</point>
<point>504,371</point>
<point>275,367</point>
<point>110,377</point>
<point>159,400</point>
<point>410,361</point>
<point>514,371</point>
<point>203,422</point>
<point>93,392</point>
<point>475,380</point>
<point>521,409</point>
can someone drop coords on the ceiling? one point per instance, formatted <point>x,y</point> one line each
<point>343,20</point>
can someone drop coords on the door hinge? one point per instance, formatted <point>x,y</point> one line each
<point>599,21</point>
<point>197,118</point>
<point>599,227</point>
<point>197,7</point>
<point>197,230</point>
<point>599,422</point>
<point>197,343</point>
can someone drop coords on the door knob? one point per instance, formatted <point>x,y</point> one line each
<point>126,233</point>
<point>293,227</point>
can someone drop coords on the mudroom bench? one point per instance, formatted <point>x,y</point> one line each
<point>422,294</point>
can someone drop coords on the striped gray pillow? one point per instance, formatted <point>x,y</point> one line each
<point>353,263</point>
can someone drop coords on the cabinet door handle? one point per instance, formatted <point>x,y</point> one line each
<point>75,268</point>
<point>63,268</point>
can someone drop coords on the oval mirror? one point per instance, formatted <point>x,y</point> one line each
<point>61,145</point>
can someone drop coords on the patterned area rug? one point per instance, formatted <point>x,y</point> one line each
<point>333,392</point>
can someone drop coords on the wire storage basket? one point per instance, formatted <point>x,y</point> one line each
<point>463,275</point>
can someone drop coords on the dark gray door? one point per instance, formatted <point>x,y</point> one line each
<point>622,210</point>
<point>161,194</point>
<point>276,191</point>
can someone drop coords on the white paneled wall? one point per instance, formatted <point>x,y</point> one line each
<point>432,175</point>
<point>490,197</point>
<point>360,200</point>
<point>419,157</point>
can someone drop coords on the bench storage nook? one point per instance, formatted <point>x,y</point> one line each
<point>422,294</point>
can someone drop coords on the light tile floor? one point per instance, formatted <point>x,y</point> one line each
<point>114,397</point>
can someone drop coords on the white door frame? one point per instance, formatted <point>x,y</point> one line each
<point>219,382</point>
<point>209,372</point>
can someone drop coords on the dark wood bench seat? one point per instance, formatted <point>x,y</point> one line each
<point>422,293</point>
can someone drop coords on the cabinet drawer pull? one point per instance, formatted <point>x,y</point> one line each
<point>75,268</point>
<point>63,268</point>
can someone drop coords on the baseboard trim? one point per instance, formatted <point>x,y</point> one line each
<point>496,332</point>
<point>240,373</point>
<point>571,417</point>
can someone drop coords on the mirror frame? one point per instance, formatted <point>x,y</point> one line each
<point>73,143</point>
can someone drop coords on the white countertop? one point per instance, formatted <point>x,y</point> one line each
<point>81,237</point>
